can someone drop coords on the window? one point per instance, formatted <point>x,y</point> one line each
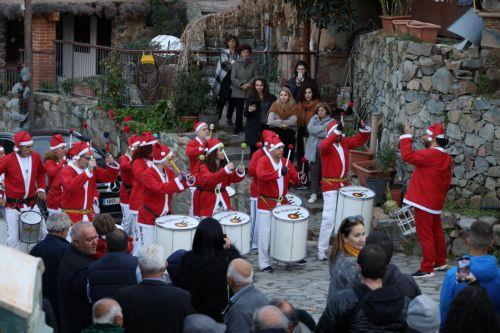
<point>82,33</point>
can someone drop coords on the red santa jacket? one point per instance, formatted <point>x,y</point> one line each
<point>14,182</point>
<point>80,188</point>
<point>102,247</point>
<point>54,194</point>
<point>157,194</point>
<point>52,167</point>
<point>139,166</point>
<point>272,185</point>
<point>431,178</point>
<point>335,158</point>
<point>208,184</point>
<point>125,163</point>
<point>252,171</point>
<point>194,149</point>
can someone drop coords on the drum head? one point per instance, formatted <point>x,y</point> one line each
<point>357,192</point>
<point>290,213</point>
<point>31,217</point>
<point>232,218</point>
<point>177,222</point>
<point>230,191</point>
<point>293,199</point>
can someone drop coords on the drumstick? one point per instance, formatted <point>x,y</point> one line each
<point>211,127</point>
<point>70,137</point>
<point>243,147</point>
<point>290,148</point>
<point>174,165</point>
<point>225,155</point>
<point>303,164</point>
<point>418,116</point>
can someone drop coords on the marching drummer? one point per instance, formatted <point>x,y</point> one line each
<point>197,146</point>
<point>334,152</point>
<point>79,180</point>
<point>274,174</point>
<point>426,192</point>
<point>159,185</point>
<point>24,181</point>
<point>213,174</point>
<point>125,162</point>
<point>55,161</point>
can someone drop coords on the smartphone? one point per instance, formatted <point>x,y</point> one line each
<point>299,75</point>
<point>463,268</point>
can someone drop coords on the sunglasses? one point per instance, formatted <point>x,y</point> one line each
<point>354,219</point>
<point>87,158</point>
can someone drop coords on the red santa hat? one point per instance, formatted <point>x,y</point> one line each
<point>57,141</point>
<point>147,138</point>
<point>161,153</point>
<point>199,125</point>
<point>1,149</point>
<point>266,136</point>
<point>436,130</point>
<point>22,138</point>
<point>274,142</point>
<point>331,127</point>
<point>133,141</point>
<point>213,144</point>
<point>81,148</point>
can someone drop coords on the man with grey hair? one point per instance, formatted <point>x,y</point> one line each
<point>269,319</point>
<point>51,250</point>
<point>107,317</point>
<point>246,299</point>
<point>152,305</point>
<point>294,324</point>
<point>74,306</point>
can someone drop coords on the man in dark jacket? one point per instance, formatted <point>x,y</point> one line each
<point>52,250</point>
<point>116,270</point>
<point>152,305</point>
<point>74,306</point>
<point>393,276</point>
<point>370,306</point>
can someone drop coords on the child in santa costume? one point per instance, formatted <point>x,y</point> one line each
<point>125,162</point>
<point>274,177</point>
<point>55,161</point>
<point>194,149</point>
<point>426,193</point>
<point>79,180</point>
<point>24,181</point>
<point>212,176</point>
<point>159,185</point>
<point>334,153</point>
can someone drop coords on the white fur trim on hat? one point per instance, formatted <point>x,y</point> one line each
<point>62,144</point>
<point>429,132</point>
<point>200,126</point>
<point>26,143</point>
<point>275,146</point>
<point>86,150</point>
<point>219,145</point>
<point>143,143</point>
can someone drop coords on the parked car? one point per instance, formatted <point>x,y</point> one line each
<point>109,193</point>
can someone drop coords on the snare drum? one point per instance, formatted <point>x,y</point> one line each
<point>289,233</point>
<point>293,199</point>
<point>174,232</point>
<point>352,201</point>
<point>30,227</point>
<point>236,226</point>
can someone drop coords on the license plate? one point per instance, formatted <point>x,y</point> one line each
<point>110,201</point>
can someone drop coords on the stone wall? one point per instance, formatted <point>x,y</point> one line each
<point>424,83</point>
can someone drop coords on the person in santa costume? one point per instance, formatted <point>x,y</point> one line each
<point>334,153</point>
<point>274,176</point>
<point>24,176</point>
<point>194,149</point>
<point>79,181</point>
<point>426,193</point>
<point>159,185</point>
<point>125,162</point>
<point>213,174</point>
<point>55,161</point>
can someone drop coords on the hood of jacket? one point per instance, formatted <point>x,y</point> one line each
<point>484,268</point>
<point>384,306</point>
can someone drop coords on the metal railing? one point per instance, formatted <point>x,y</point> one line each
<point>8,77</point>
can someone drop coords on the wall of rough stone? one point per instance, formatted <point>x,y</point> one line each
<point>410,81</point>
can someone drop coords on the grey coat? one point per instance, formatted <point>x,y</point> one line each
<point>239,312</point>
<point>317,133</point>
<point>344,273</point>
<point>242,72</point>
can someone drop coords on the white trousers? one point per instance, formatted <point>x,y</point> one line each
<point>327,222</point>
<point>145,235</point>
<point>12,219</point>
<point>126,221</point>
<point>191,209</point>
<point>254,242</point>
<point>264,220</point>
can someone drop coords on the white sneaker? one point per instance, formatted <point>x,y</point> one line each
<point>322,257</point>
<point>313,198</point>
<point>441,268</point>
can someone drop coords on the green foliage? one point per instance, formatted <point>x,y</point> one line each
<point>67,86</point>
<point>112,75</point>
<point>484,85</point>
<point>396,7</point>
<point>168,18</point>
<point>468,211</point>
<point>386,158</point>
<point>47,86</point>
<point>192,94</point>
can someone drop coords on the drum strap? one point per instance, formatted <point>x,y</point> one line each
<point>79,211</point>
<point>147,209</point>
<point>335,180</point>
<point>281,200</point>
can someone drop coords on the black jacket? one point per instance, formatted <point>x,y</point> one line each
<point>51,250</point>
<point>403,282</point>
<point>381,310</point>
<point>74,306</point>
<point>294,89</point>
<point>152,306</point>
<point>205,278</point>
<point>109,274</point>
<point>256,120</point>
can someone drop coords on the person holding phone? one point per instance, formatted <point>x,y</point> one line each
<point>300,78</point>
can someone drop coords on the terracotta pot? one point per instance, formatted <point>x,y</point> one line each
<point>358,156</point>
<point>83,89</point>
<point>366,170</point>
<point>189,119</point>
<point>397,195</point>
<point>401,26</point>
<point>426,32</point>
<point>387,21</point>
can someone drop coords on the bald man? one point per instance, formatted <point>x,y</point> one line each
<point>106,317</point>
<point>270,319</point>
<point>246,299</point>
<point>294,325</point>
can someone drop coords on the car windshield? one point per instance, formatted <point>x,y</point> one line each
<point>41,145</point>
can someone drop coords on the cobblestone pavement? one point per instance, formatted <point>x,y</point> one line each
<point>306,286</point>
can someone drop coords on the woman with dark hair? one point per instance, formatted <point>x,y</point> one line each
<point>471,311</point>
<point>257,104</point>
<point>212,177</point>
<point>343,266</point>
<point>222,83</point>
<point>300,78</point>
<point>202,271</point>
<point>242,74</point>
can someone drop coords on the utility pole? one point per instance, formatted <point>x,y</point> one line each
<point>28,56</point>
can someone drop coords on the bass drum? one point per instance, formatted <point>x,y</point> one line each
<point>236,226</point>
<point>175,232</point>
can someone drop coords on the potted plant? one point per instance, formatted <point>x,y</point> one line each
<point>382,167</point>
<point>360,154</point>
<point>394,10</point>
<point>426,32</point>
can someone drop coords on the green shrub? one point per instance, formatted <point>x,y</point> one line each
<point>192,94</point>
<point>386,158</point>
<point>168,18</point>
